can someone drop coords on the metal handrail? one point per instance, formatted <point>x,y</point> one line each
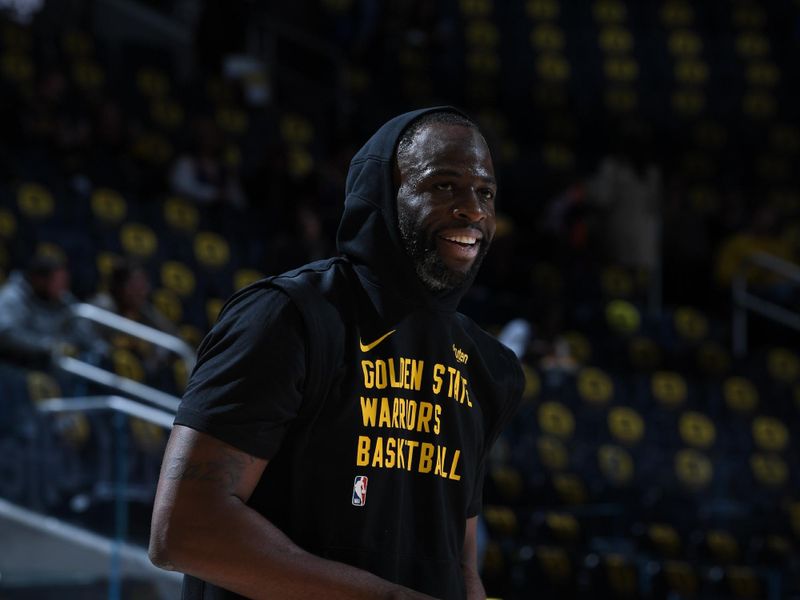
<point>133,388</point>
<point>111,320</point>
<point>121,406</point>
<point>743,300</point>
<point>116,403</point>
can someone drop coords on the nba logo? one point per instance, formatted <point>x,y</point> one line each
<point>360,490</point>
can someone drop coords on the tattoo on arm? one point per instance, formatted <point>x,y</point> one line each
<point>226,469</point>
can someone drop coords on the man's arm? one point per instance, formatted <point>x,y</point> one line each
<point>203,527</point>
<point>469,564</point>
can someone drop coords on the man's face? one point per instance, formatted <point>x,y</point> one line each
<point>445,203</point>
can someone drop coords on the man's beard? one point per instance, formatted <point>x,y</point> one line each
<point>421,249</point>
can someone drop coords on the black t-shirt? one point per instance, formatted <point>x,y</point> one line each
<point>377,461</point>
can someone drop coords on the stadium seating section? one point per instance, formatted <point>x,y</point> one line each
<point>656,465</point>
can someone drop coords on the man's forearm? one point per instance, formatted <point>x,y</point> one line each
<point>246,554</point>
<point>473,584</point>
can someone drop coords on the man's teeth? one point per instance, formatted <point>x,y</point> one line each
<point>461,239</point>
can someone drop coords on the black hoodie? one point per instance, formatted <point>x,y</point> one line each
<point>374,401</point>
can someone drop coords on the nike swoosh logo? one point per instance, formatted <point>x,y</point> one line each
<point>367,347</point>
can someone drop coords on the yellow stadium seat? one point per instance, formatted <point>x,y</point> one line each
<point>533,384</point>
<point>501,520</point>
<point>691,71</point>
<point>681,577</point>
<point>88,75</point>
<point>213,308</point>
<point>179,278</point>
<point>722,546</point>
<point>748,15</point>
<point>556,419</point>
<point>77,43</point>
<point>168,304</point>
<point>16,37</point>
<point>181,214</point>
<point>710,134</point>
<point>138,240</point>
<point>783,365</point>
<point>615,464</point>
<point>570,488</point>
<point>615,40</point>
<point>508,482</point>
<point>211,250</point>
<point>759,104</point>
<point>595,387</point>
<point>296,129</point>
<point>152,82</point>
<point>8,224</point>
<point>623,317</point>
<point>300,160</point>
<point>191,335</point>
<point>688,101</point>
<point>42,386</point>
<point>475,8</point>
<point>770,434</point>
<point>621,575</point>
<point>558,157</point>
<point>17,67</point>
<point>553,67</point>
<point>609,11</point>
<point>105,262</point>
<point>743,582</point>
<point>481,33</point>
<point>740,395</point>
<point>677,13</point>
<point>554,563</point>
<point>625,425</point>
<point>547,277</point>
<point>180,374</point>
<point>493,560</point>
<point>52,250</point>
<point>147,437</point>
<point>713,358</point>
<point>484,61</point>
<point>108,205</point>
<point>752,44</point>
<point>552,453</point>
<point>697,430</point>
<point>691,324</point>
<point>563,526</point>
<point>621,69</point>
<point>126,364</point>
<point>617,282</point>
<point>762,73</point>
<point>547,37</point>
<point>665,538</point>
<point>232,120</point>
<point>579,346</point>
<point>693,468</point>
<point>35,201</point>
<point>643,353</point>
<point>684,43</point>
<point>153,148</point>
<point>621,99</point>
<point>541,10</point>
<point>166,113</point>
<point>244,277</point>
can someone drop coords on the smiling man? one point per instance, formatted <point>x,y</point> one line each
<point>333,437</point>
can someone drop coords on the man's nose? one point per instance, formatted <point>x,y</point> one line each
<point>468,207</point>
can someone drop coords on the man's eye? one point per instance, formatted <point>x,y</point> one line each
<point>487,194</point>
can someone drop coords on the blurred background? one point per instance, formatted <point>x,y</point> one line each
<point>156,156</point>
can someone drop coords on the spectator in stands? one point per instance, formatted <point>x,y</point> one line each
<point>128,295</point>
<point>35,316</point>
<point>202,175</point>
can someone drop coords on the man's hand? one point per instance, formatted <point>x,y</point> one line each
<point>202,526</point>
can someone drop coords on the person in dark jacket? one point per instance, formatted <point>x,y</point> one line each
<point>36,323</point>
<point>333,437</point>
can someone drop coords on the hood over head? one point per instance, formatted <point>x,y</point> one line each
<point>369,234</point>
